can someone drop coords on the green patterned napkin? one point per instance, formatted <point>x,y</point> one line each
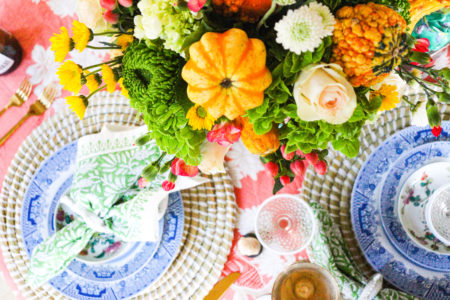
<point>108,165</point>
<point>329,251</point>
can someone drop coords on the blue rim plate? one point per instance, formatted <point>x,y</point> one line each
<point>124,276</point>
<point>379,250</point>
<point>401,170</point>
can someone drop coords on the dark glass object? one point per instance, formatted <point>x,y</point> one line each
<point>10,53</point>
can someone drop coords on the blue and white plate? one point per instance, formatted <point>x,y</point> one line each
<point>131,271</point>
<point>377,234</point>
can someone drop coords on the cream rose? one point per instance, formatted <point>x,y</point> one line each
<point>90,13</point>
<point>322,92</point>
<point>213,158</point>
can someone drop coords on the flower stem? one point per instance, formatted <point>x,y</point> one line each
<point>100,88</point>
<point>113,61</point>
<point>93,47</point>
<point>92,72</point>
<point>266,15</point>
<point>110,32</point>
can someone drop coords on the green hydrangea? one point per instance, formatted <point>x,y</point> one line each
<point>152,76</point>
<point>161,19</point>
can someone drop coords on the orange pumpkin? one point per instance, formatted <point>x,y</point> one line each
<point>258,144</point>
<point>245,10</point>
<point>227,73</point>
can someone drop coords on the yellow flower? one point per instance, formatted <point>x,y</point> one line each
<point>93,82</point>
<point>69,74</point>
<point>390,96</point>
<point>124,89</point>
<point>109,78</point>
<point>199,118</point>
<point>61,44</point>
<point>124,40</point>
<point>81,35</point>
<point>78,105</point>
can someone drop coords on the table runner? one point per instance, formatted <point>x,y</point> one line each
<point>38,20</point>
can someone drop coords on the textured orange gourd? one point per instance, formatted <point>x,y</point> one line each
<point>244,10</point>
<point>227,73</point>
<point>369,41</point>
<point>258,144</point>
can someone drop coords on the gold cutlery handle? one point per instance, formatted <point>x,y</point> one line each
<point>4,109</point>
<point>11,131</point>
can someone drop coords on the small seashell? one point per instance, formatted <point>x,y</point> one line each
<point>249,245</point>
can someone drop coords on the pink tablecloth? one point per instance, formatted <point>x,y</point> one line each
<point>32,22</point>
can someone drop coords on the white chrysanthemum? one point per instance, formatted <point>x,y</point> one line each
<point>300,30</point>
<point>328,19</point>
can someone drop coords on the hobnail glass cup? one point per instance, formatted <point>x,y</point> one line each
<point>285,224</point>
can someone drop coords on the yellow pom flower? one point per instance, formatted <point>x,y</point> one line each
<point>69,74</point>
<point>124,89</point>
<point>81,35</point>
<point>78,105</point>
<point>93,82</point>
<point>109,78</point>
<point>390,96</point>
<point>61,44</point>
<point>199,118</point>
<point>124,40</point>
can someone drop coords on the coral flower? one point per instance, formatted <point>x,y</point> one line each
<point>78,105</point>
<point>109,78</point>
<point>180,168</point>
<point>199,118</point>
<point>81,35</point>
<point>61,44</point>
<point>124,40</point>
<point>224,134</point>
<point>390,96</point>
<point>70,75</point>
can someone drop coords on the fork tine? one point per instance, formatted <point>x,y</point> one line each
<point>28,88</point>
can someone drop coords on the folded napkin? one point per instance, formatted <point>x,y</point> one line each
<point>329,251</point>
<point>108,165</point>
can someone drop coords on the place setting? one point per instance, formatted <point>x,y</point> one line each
<point>225,150</point>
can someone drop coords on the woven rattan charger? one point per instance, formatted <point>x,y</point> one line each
<point>209,208</point>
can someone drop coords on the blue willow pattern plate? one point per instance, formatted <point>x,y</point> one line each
<point>390,194</point>
<point>379,249</point>
<point>129,273</point>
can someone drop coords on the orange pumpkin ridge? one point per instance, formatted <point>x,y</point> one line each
<point>227,73</point>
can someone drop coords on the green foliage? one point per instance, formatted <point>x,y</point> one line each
<point>279,104</point>
<point>152,76</point>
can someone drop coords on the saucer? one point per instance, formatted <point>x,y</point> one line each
<point>413,199</point>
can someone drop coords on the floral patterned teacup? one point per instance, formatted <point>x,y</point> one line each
<point>102,247</point>
<point>415,195</point>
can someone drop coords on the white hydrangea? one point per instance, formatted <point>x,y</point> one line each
<point>285,2</point>
<point>303,29</point>
<point>161,19</point>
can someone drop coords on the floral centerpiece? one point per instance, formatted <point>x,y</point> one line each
<point>289,78</point>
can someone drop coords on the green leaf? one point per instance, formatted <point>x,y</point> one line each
<point>277,186</point>
<point>358,114</point>
<point>349,148</point>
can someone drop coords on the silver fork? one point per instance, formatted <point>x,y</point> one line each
<point>20,96</point>
<point>36,109</point>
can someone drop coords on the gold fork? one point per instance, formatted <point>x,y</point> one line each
<point>36,109</point>
<point>20,96</point>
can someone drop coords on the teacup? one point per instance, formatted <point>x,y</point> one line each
<point>437,214</point>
